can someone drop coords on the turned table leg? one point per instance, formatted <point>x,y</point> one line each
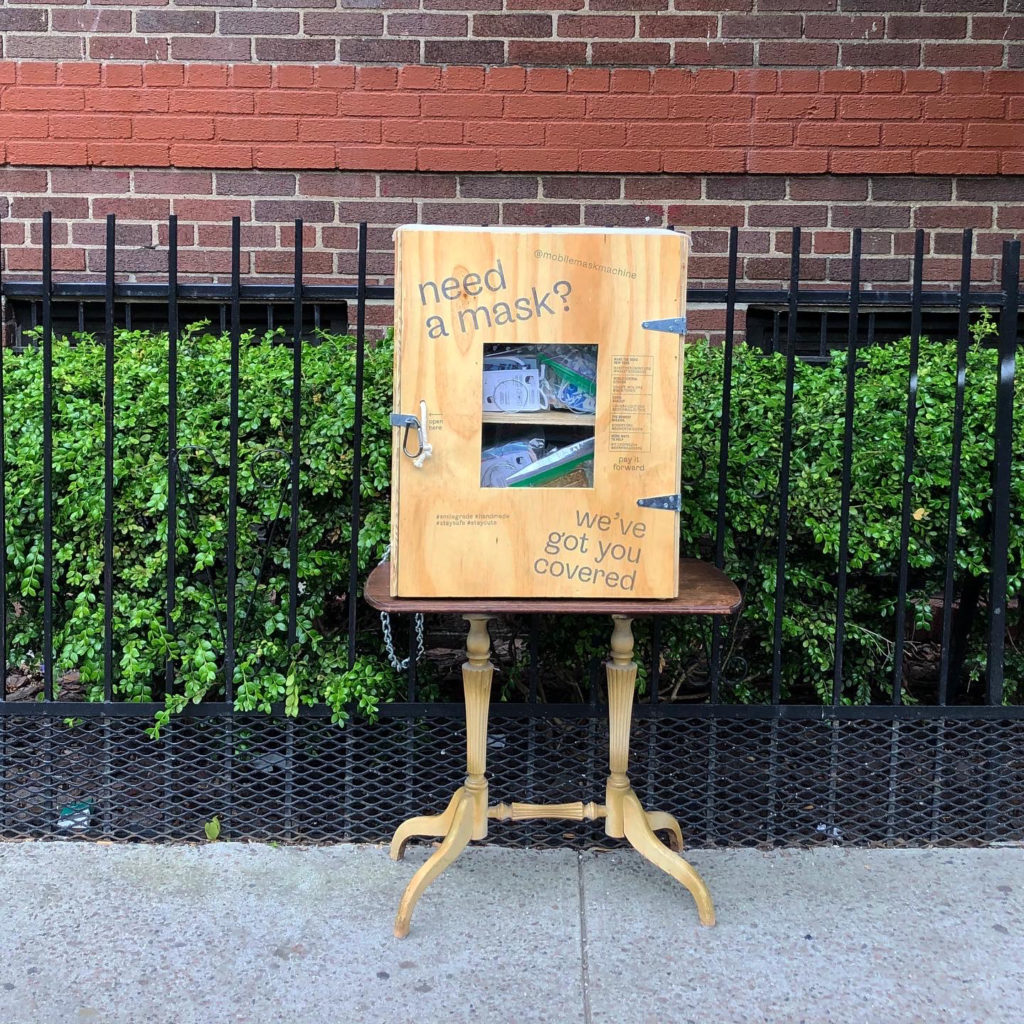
<point>625,816</point>
<point>465,818</point>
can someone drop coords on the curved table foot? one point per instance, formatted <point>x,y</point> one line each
<point>663,821</point>
<point>425,825</point>
<point>454,843</point>
<point>641,837</point>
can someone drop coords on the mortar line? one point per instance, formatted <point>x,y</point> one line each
<point>584,956</point>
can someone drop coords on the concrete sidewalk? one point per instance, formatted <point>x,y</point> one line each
<point>232,932</point>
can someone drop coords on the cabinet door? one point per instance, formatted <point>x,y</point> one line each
<point>526,349</point>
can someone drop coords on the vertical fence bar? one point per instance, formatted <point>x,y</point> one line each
<point>293,535</point>
<point>726,424</point>
<point>232,552</point>
<point>232,568</point>
<point>780,569</point>
<point>357,446</point>
<point>723,453</point>
<point>846,476</point>
<point>413,655</point>
<point>533,676</point>
<point>711,789</point>
<point>963,336</point>
<point>4,814</point>
<point>654,694</point>
<point>108,513</point>
<point>409,734</point>
<point>3,495</point>
<point>108,462</point>
<point>904,564</point>
<point>411,694</point>
<point>847,465</point>
<point>995,774</point>
<point>594,762</point>
<point>787,453</point>
<point>653,724</point>
<point>533,680</point>
<point>47,651</point>
<point>908,468</point>
<point>173,329</point>
<point>293,531</point>
<point>1001,493</point>
<point>172,441</point>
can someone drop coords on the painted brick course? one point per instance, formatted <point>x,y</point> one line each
<point>652,33</point>
<point>467,119</point>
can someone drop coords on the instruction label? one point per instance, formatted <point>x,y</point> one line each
<point>632,403</point>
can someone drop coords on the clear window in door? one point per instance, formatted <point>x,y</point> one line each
<point>539,404</point>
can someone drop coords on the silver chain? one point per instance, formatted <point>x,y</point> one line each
<point>385,625</point>
<point>389,645</point>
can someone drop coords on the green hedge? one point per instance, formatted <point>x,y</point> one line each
<point>880,415</point>
<point>267,671</point>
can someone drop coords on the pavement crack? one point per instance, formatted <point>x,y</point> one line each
<point>584,955</point>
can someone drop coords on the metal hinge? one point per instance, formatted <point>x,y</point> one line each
<point>672,502</point>
<point>673,325</point>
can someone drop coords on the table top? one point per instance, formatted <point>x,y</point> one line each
<point>703,590</point>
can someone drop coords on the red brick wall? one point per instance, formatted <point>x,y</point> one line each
<point>658,33</point>
<point>830,114</point>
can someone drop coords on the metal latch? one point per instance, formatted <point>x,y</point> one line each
<point>672,502</point>
<point>673,325</point>
<point>401,419</point>
<point>419,424</point>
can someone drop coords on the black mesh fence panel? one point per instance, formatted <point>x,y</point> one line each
<point>729,782</point>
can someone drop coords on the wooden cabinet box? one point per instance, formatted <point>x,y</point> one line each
<point>552,414</point>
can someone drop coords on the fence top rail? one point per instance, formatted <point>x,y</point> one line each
<point>820,297</point>
<point>75,711</point>
<point>129,291</point>
<point>95,291</point>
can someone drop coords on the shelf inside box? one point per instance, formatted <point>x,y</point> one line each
<point>551,418</point>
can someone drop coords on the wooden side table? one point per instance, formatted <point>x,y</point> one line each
<point>704,590</point>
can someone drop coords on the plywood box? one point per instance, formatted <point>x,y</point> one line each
<point>550,412</point>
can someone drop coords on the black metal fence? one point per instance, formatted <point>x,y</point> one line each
<point>773,767</point>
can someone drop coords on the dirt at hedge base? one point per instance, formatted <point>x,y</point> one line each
<point>25,683</point>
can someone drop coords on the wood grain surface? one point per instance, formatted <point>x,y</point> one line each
<point>703,590</point>
<point>459,289</point>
